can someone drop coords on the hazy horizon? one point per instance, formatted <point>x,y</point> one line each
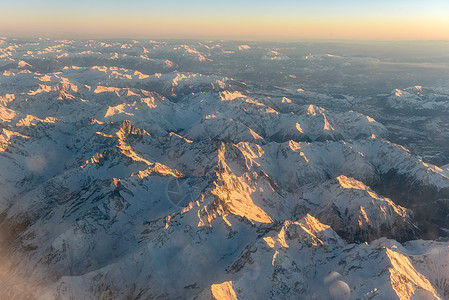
<point>284,20</point>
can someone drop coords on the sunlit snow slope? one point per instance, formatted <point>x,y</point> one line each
<point>133,170</point>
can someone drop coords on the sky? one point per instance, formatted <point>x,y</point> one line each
<point>276,20</point>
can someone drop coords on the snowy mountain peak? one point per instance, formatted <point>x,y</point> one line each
<point>218,170</point>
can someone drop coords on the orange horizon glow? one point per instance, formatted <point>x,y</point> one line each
<point>223,27</point>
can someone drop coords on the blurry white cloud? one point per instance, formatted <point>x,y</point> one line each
<point>36,163</point>
<point>339,290</point>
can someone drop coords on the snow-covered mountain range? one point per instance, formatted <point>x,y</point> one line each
<point>131,170</point>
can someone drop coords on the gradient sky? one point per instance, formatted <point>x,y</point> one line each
<point>232,19</point>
